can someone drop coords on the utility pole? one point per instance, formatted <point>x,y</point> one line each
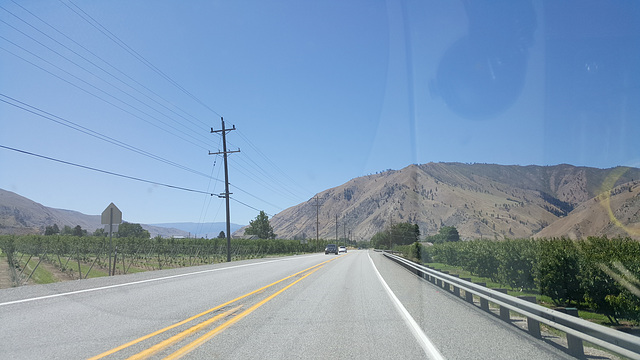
<point>336,229</point>
<point>226,179</point>
<point>317,221</point>
<point>344,230</point>
<point>391,232</point>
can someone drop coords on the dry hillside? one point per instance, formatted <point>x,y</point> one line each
<point>481,200</point>
<point>613,213</point>
<point>19,215</point>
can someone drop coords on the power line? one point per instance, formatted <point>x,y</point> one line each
<point>249,206</point>
<point>206,204</point>
<point>104,171</point>
<point>94,95</point>
<point>64,122</point>
<point>92,63</point>
<point>272,163</point>
<point>94,23</point>
<point>133,53</point>
<point>87,131</point>
<point>107,63</point>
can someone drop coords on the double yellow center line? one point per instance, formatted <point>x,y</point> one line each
<point>233,313</point>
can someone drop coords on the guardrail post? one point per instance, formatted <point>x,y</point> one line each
<point>574,344</point>
<point>532,325</point>
<point>468,296</point>
<point>456,289</point>
<point>504,312</point>
<point>445,284</point>
<point>484,303</point>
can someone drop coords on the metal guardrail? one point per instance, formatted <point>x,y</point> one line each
<point>575,328</point>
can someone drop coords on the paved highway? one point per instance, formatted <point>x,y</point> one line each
<point>358,305</point>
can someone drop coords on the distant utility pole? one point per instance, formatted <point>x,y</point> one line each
<point>344,230</point>
<point>226,179</point>
<point>336,229</point>
<point>317,221</point>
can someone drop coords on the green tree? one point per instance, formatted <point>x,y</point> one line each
<point>52,230</point>
<point>222,235</point>
<point>67,230</point>
<point>260,227</point>
<point>132,230</point>
<point>558,271</point>
<point>445,234</point>
<point>450,233</point>
<point>100,232</point>
<point>77,231</point>
<point>404,233</point>
<point>397,234</point>
<point>380,240</point>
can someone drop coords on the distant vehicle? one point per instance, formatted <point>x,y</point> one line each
<point>342,249</point>
<point>331,248</point>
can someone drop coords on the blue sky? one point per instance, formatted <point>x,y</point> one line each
<point>319,92</point>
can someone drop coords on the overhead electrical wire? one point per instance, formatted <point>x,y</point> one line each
<point>64,122</point>
<point>96,96</point>
<point>100,90</point>
<point>207,200</point>
<point>98,66</point>
<point>112,67</point>
<point>131,51</point>
<point>249,206</point>
<point>94,23</point>
<point>104,171</point>
<point>135,54</point>
<point>270,162</point>
<point>117,174</point>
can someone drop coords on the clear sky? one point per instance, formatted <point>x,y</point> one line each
<point>320,92</point>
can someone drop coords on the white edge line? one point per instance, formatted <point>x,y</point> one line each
<point>430,350</point>
<point>133,283</point>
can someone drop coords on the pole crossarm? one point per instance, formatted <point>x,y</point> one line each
<point>224,152</point>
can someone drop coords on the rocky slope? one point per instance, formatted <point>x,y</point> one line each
<point>481,200</point>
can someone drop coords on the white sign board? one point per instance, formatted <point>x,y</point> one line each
<point>111,215</point>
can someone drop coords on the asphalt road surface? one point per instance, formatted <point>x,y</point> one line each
<point>357,305</point>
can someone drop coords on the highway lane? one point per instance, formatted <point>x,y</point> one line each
<point>312,308</point>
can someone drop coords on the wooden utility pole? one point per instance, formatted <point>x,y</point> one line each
<point>317,221</point>
<point>226,193</point>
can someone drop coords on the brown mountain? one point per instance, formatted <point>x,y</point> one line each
<point>19,215</point>
<point>480,200</point>
<point>613,213</point>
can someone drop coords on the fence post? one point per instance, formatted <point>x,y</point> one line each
<point>574,344</point>
<point>504,312</point>
<point>533,325</point>
<point>35,268</point>
<point>78,257</point>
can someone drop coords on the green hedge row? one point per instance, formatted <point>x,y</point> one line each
<point>599,273</point>
<point>69,245</point>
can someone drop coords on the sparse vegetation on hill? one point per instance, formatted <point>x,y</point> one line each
<point>483,201</point>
